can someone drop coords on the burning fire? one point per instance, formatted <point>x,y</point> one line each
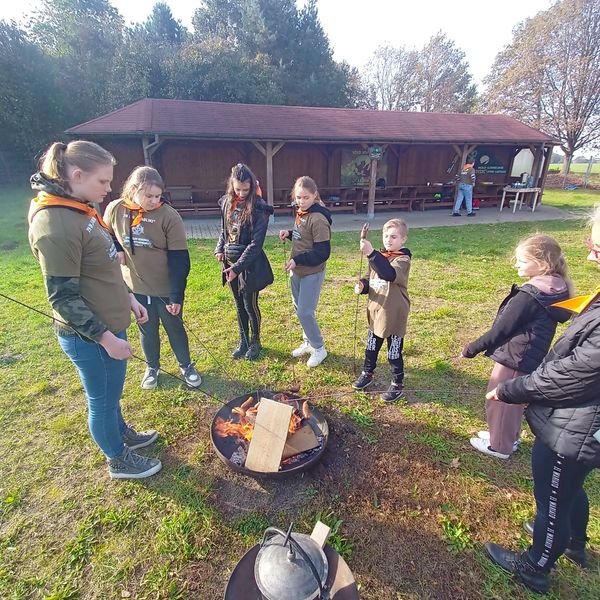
<point>247,415</point>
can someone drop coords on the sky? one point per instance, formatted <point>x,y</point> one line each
<point>357,27</point>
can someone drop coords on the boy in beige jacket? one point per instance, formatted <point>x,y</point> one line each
<point>388,306</point>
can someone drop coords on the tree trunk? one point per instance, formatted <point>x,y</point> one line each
<point>566,165</point>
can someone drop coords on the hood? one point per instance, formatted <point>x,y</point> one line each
<point>548,290</point>
<point>316,207</point>
<point>259,204</point>
<point>42,183</point>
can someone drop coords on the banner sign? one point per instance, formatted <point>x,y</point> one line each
<point>356,168</point>
<point>485,161</point>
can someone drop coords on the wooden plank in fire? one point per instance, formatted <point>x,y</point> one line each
<point>269,436</point>
<point>302,440</point>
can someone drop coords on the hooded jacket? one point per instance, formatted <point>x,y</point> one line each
<point>246,256</point>
<point>524,325</point>
<point>563,392</point>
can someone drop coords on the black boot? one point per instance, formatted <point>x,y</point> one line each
<point>240,351</point>
<point>575,551</point>
<point>519,566</point>
<point>253,349</point>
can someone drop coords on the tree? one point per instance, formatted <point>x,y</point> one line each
<point>549,75</point>
<point>29,110</point>
<point>390,78</point>
<point>433,79</point>
<point>82,37</point>
<point>443,77</point>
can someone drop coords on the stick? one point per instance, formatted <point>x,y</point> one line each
<point>363,236</point>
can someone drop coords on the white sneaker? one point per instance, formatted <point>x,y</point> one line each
<point>483,446</point>
<point>301,350</point>
<point>485,435</point>
<point>317,356</point>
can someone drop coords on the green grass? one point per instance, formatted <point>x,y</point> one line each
<point>579,201</point>
<point>408,500</point>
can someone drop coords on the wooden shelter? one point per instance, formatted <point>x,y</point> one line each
<point>362,160</point>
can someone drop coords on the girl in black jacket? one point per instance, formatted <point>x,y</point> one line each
<point>245,218</point>
<point>564,414</point>
<point>521,335</point>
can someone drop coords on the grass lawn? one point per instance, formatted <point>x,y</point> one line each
<point>409,500</point>
<point>579,201</point>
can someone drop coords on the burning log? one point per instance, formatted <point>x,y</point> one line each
<point>300,437</point>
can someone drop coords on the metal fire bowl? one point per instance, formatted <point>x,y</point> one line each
<point>225,447</point>
<point>242,585</point>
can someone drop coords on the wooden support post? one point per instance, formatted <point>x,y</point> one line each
<point>149,148</point>
<point>544,173</point>
<point>372,182</point>
<point>269,158</point>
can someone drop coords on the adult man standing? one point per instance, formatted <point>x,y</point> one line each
<point>466,183</point>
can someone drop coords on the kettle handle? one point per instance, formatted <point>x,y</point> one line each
<point>287,536</point>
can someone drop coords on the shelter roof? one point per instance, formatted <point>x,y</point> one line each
<point>230,121</point>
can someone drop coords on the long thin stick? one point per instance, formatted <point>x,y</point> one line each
<point>291,315</point>
<point>363,236</point>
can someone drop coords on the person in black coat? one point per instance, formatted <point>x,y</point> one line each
<point>245,219</point>
<point>564,415</point>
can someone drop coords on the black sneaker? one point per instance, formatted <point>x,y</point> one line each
<point>191,376</point>
<point>471,214</point>
<point>455,214</point>
<point>138,439</point>
<point>519,566</point>
<point>575,555</point>
<point>364,380</point>
<point>132,466</point>
<point>395,392</point>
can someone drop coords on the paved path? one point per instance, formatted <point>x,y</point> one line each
<point>209,228</point>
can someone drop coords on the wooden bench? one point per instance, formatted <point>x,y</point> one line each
<point>188,201</point>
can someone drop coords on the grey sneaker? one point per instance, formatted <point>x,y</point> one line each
<point>132,466</point>
<point>191,376</point>
<point>138,439</point>
<point>394,392</point>
<point>150,378</point>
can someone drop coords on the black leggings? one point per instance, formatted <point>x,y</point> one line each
<point>562,505</point>
<point>248,312</point>
<point>394,354</point>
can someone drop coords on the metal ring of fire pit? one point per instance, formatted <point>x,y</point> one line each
<point>226,446</point>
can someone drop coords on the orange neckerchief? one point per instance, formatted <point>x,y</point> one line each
<point>579,303</point>
<point>300,213</point>
<point>391,254</point>
<point>44,199</point>
<point>133,207</point>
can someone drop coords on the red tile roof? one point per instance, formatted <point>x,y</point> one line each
<point>218,120</point>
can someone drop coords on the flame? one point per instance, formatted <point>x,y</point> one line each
<point>245,427</point>
<point>228,428</point>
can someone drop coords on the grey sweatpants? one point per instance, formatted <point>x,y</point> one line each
<point>504,420</point>
<point>305,296</point>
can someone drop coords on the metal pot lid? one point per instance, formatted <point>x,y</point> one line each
<point>282,573</point>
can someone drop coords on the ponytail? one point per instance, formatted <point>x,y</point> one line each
<point>81,154</point>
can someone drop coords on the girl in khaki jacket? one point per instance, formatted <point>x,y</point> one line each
<point>388,306</point>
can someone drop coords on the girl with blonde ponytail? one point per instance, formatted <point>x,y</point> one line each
<point>89,298</point>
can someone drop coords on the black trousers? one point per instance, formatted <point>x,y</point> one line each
<point>173,324</point>
<point>248,312</point>
<point>394,355</point>
<point>562,505</point>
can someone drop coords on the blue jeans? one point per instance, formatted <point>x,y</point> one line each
<point>464,191</point>
<point>102,378</point>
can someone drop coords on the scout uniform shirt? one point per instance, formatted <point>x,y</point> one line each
<point>467,175</point>
<point>146,270</point>
<point>68,243</point>
<point>389,303</point>
<point>309,228</point>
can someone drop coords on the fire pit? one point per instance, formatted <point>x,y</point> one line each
<point>232,428</point>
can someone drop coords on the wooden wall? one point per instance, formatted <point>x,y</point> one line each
<point>206,165</point>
